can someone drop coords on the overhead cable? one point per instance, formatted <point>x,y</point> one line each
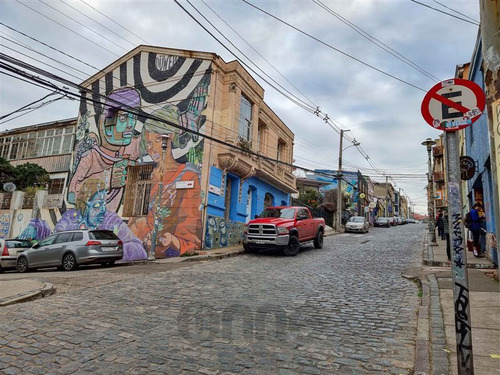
<point>334,48</point>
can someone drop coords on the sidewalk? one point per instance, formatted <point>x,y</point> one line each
<point>438,302</point>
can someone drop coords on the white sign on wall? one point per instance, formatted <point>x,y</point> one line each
<point>214,189</point>
<point>184,184</point>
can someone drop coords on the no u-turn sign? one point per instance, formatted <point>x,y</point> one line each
<point>453,104</point>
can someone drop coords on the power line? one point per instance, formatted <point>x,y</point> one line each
<point>334,48</point>
<point>67,28</point>
<point>258,53</point>
<point>126,109</point>
<point>376,41</point>
<point>81,24</point>
<point>100,24</point>
<point>456,11</point>
<point>438,10</point>
<point>112,20</point>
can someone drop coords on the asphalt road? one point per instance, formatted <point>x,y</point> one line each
<point>344,309</point>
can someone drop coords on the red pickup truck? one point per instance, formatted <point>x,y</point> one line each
<point>284,227</point>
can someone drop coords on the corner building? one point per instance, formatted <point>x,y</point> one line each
<point>175,151</point>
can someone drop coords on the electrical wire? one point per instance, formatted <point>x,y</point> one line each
<point>67,28</point>
<point>334,48</point>
<point>449,14</point>
<point>456,11</point>
<point>376,41</point>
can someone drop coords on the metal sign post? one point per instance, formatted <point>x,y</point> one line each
<point>450,106</point>
<point>458,258</point>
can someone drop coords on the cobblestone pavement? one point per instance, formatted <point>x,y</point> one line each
<point>344,309</point>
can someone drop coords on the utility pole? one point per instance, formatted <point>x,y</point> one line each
<point>339,185</point>
<point>386,197</point>
<point>490,24</point>
<point>430,191</point>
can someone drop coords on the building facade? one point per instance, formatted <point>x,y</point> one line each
<point>174,151</point>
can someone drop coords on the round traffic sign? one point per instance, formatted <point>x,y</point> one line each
<point>453,104</point>
<point>467,168</point>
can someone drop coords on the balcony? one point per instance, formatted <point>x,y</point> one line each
<point>246,164</point>
<point>437,151</point>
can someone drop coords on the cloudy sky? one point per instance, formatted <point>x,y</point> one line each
<point>325,57</point>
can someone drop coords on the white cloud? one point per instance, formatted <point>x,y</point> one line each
<point>383,114</point>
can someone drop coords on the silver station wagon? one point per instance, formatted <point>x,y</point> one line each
<point>69,249</point>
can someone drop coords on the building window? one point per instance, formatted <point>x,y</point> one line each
<point>138,190</point>
<point>268,200</point>
<point>281,154</point>
<point>261,138</point>
<point>245,124</point>
<point>56,186</point>
<point>37,144</point>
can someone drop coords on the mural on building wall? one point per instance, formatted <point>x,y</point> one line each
<point>90,212</point>
<point>158,95</point>
<point>4,225</point>
<point>222,233</point>
<point>37,230</point>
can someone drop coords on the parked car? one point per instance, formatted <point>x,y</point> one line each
<point>357,224</point>
<point>10,249</point>
<point>69,249</point>
<point>284,227</point>
<point>383,221</point>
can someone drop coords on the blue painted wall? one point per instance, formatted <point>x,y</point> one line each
<point>477,146</point>
<point>238,210</point>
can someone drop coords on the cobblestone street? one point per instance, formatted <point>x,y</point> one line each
<point>344,309</point>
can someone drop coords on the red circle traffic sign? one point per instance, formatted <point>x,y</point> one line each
<point>453,104</point>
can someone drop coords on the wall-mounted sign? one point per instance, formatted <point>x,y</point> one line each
<point>467,168</point>
<point>453,104</point>
<point>184,184</point>
<point>214,189</point>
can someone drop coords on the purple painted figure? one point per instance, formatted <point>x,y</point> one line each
<point>90,213</point>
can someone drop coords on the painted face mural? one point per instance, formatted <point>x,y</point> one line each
<point>95,210</point>
<point>90,213</point>
<point>119,137</point>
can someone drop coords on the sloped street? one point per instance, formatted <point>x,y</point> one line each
<point>344,309</point>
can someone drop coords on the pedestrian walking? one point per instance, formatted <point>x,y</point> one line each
<point>440,226</point>
<point>476,217</point>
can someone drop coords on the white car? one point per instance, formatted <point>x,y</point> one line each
<point>357,224</point>
<point>9,251</point>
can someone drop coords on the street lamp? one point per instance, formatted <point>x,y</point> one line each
<point>157,218</point>
<point>339,179</point>
<point>430,202</point>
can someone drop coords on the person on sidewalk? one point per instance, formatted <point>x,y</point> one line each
<point>477,217</point>
<point>446,232</point>
<point>440,226</point>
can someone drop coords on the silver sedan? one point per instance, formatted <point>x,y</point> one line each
<point>67,250</point>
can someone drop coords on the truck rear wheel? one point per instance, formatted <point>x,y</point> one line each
<point>293,246</point>
<point>318,241</point>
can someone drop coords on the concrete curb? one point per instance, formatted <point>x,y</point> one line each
<point>47,290</point>
<point>439,357</point>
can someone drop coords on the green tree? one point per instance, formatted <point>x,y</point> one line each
<point>31,175</point>
<point>7,172</point>
<point>310,197</point>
